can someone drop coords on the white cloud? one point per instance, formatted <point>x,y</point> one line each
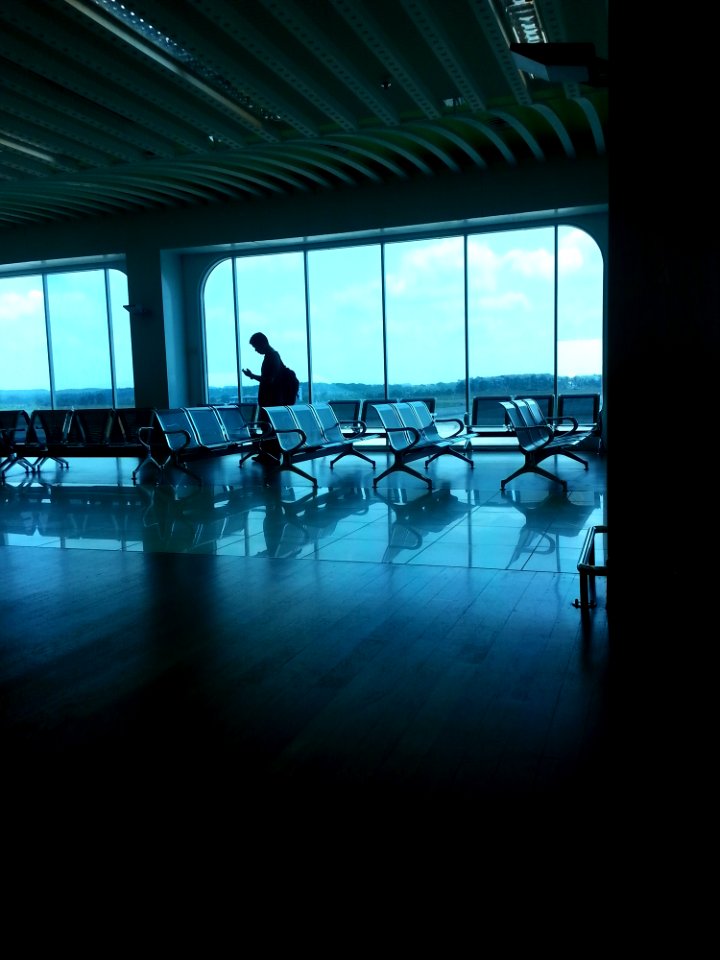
<point>506,301</point>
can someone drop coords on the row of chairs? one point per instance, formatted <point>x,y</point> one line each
<point>364,411</point>
<point>182,434</point>
<point>153,436</point>
<point>30,440</point>
<point>488,417</point>
<point>540,437</point>
<point>174,436</point>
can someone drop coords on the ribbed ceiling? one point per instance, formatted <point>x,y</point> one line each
<point>109,107</point>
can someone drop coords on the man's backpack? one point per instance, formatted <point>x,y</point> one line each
<point>289,386</point>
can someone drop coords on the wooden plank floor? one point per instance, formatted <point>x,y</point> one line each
<point>356,646</point>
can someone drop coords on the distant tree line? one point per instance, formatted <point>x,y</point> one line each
<point>89,397</point>
<point>512,385</point>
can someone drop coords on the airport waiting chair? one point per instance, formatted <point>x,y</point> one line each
<point>242,429</point>
<point>488,418</point>
<point>369,416</point>
<point>16,443</point>
<point>413,433</point>
<point>583,407</point>
<point>50,430</point>
<point>537,442</point>
<point>308,431</point>
<point>428,401</point>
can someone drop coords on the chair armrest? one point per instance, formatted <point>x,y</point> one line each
<point>299,444</point>
<point>557,421</point>
<point>184,433</point>
<point>141,437</point>
<point>261,427</point>
<point>533,437</point>
<point>489,428</point>
<point>457,420</point>
<point>358,427</point>
<point>151,430</point>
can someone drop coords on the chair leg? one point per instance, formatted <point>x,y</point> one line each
<point>291,466</point>
<point>533,468</point>
<point>548,475</point>
<point>153,461</point>
<point>246,456</point>
<point>354,453</point>
<point>574,456</point>
<point>13,461</point>
<point>453,453</point>
<point>404,468</point>
<point>467,457</point>
<point>44,459</point>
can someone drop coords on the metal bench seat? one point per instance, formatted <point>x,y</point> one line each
<point>412,433</point>
<point>182,434</point>
<point>306,431</point>
<point>538,441</point>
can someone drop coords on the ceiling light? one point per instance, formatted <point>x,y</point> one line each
<point>523,20</point>
<point>133,30</point>
<point>30,151</point>
<point>558,62</point>
<point>452,103</point>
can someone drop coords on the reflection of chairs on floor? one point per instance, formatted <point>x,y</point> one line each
<point>549,516</point>
<point>186,517</point>
<point>417,516</point>
<point>293,524</point>
<point>77,512</point>
<point>321,513</point>
<point>96,512</point>
<point>18,513</point>
<point>284,536</point>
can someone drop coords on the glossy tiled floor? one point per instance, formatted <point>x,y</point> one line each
<point>464,521</point>
<point>277,645</point>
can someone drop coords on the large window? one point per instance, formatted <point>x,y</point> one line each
<point>514,311</point>
<point>579,326</point>
<point>24,368</point>
<point>425,311</point>
<point>509,312</point>
<point>345,294</point>
<point>511,331</point>
<point>270,292</point>
<point>65,340</point>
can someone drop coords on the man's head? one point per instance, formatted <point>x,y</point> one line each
<point>260,342</point>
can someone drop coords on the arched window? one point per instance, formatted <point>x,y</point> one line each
<point>515,311</point>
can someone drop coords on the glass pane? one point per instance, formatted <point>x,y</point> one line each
<point>220,342</point>
<point>24,373</point>
<point>122,340</point>
<point>425,311</point>
<point>511,310</point>
<point>346,323</point>
<point>580,312</point>
<point>271,300</point>
<point>79,339</point>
